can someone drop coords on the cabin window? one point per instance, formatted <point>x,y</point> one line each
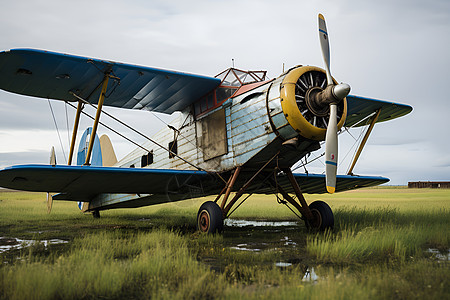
<point>210,101</point>
<point>231,80</point>
<point>173,149</point>
<point>213,99</point>
<point>224,93</point>
<point>146,159</point>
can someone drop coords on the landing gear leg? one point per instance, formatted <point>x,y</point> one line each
<point>96,214</point>
<point>317,215</point>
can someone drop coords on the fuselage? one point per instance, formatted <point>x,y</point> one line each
<point>243,130</point>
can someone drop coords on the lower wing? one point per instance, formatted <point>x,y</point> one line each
<point>83,183</point>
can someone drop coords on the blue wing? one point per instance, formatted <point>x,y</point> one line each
<point>89,180</point>
<point>358,108</point>
<point>83,183</point>
<point>52,75</point>
<point>314,183</point>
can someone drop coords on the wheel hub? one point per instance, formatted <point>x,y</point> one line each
<point>317,219</point>
<point>204,221</point>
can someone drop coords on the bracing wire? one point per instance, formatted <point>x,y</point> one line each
<point>179,131</point>
<point>357,140</point>
<point>360,135</point>
<point>67,123</point>
<point>57,130</point>
<point>136,131</point>
<point>116,132</point>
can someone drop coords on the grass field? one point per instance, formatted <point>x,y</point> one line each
<point>387,243</point>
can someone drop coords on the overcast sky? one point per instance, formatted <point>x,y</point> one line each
<point>390,50</point>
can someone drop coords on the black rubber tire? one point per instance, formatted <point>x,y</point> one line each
<point>96,214</point>
<point>210,218</point>
<point>324,216</point>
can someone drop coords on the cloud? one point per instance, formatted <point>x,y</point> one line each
<point>393,50</point>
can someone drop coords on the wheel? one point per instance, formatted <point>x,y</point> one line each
<point>323,216</point>
<point>96,214</point>
<point>210,218</point>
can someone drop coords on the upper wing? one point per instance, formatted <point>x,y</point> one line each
<point>53,75</point>
<point>82,183</point>
<point>358,108</point>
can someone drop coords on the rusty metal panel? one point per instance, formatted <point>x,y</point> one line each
<point>214,135</point>
<point>250,146</point>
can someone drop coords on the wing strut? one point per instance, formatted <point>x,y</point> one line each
<point>97,119</point>
<point>75,130</point>
<point>363,142</point>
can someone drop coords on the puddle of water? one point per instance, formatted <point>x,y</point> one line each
<point>7,244</point>
<point>43,231</point>
<point>288,242</point>
<point>258,236</point>
<point>439,255</point>
<point>310,275</point>
<point>245,223</point>
<point>283,264</point>
<point>144,220</point>
<point>253,247</point>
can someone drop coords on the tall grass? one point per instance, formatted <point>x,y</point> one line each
<point>113,266</point>
<point>383,234</point>
<point>376,251</point>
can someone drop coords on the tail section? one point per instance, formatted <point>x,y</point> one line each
<point>96,157</point>
<point>109,158</point>
<point>102,155</point>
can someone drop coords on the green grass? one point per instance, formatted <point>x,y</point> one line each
<point>377,250</point>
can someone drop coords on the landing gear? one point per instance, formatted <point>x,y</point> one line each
<point>96,214</point>
<point>317,216</point>
<point>323,216</point>
<point>210,218</point>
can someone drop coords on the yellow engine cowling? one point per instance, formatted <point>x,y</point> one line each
<point>296,89</point>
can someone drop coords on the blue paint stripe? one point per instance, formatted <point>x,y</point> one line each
<point>94,169</point>
<point>323,31</point>
<point>331,163</point>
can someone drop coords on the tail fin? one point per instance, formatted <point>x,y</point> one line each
<point>108,155</point>
<point>102,151</point>
<point>96,157</point>
<point>102,155</point>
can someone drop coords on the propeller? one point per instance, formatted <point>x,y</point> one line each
<point>49,196</point>
<point>331,95</point>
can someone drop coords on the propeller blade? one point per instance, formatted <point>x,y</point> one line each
<point>323,37</point>
<point>331,150</point>
<point>49,196</point>
<point>49,203</point>
<point>53,157</point>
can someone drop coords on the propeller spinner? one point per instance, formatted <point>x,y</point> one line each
<point>331,95</point>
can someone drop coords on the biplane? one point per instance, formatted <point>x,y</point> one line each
<point>237,134</point>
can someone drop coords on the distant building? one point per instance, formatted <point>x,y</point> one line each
<point>429,184</point>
